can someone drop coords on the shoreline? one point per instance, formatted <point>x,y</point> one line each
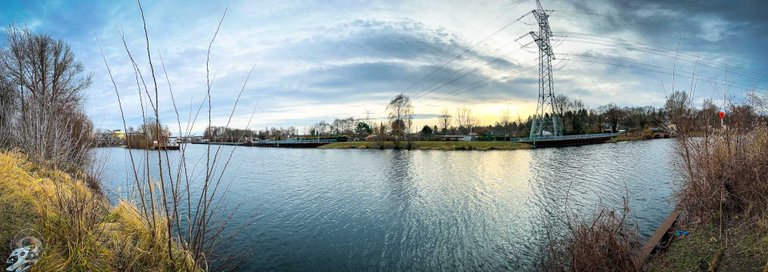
<point>738,246</point>
<point>459,145</point>
<point>79,227</point>
<point>431,145</point>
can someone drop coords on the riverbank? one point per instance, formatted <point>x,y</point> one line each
<point>627,137</point>
<point>461,145</point>
<point>723,199</point>
<point>742,246</point>
<point>79,229</point>
<point>430,145</point>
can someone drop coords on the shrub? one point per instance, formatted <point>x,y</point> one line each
<point>726,174</point>
<point>604,243</point>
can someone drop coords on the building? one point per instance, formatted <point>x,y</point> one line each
<point>119,134</point>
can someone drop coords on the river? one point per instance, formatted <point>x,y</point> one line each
<point>340,210</point>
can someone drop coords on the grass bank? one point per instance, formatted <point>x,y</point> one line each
<point>430,145</point>
<point>80,230</point>
<point>743,246</point>
<point>629,137</point>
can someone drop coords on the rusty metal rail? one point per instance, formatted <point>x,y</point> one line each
<point>652,243</point>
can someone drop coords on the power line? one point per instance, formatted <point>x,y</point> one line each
<point>594,16</point>
<point>486,80</point>
<point>665,52</point>
<point>462,53</point>
<point>663,49</point>
<point>661,70</point>
<point>432,87</point>
<point>478,84</point>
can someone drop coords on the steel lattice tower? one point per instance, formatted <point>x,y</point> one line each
<point>546,118</point>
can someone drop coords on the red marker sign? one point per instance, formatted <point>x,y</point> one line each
<point>722,115</point>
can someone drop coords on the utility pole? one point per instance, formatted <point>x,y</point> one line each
<point>546,99</point>
<point>367,116</point>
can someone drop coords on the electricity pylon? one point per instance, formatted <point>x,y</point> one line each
<point>545,118</point>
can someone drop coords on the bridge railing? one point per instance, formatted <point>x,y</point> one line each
<point>298,141</point>
<point>566,137</point>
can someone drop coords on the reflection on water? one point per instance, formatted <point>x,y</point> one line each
<point>313,209</point>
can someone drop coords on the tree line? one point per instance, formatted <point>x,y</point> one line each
<point>575,117</point>
<point>349,127</point>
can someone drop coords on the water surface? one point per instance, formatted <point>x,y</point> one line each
<point>340,210</point>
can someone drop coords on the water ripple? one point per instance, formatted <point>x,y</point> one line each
<point>342,210</point>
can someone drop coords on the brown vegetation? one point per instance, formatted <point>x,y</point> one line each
<point>48,183</point>
<point>41,102</point>
<point>147,136</point>
<point>79,229</point>
<point>606,242</point>
<point>724,191</point>
<point>725,167</point>
<point>726,174</point>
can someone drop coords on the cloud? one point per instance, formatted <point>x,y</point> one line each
<point>324,60</point>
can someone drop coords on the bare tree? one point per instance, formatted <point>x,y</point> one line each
<point>465,119</point>
<point>577,104</point>
<point>678,108</point>
<point>41,87</point>
<point>757,101</point>
<point>380,131</point>
<point>446,119</point>
<point>562,104</point>
<point>472,122</point>
<point>7,110</point>
<point>400,111</point>
<point>344,126</point>
<point>505,121</point>
<point>614,114</point>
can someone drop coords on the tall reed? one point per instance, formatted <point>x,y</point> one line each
<point>186,207</point>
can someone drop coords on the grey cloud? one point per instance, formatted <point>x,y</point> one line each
<point>669,20</point>
<point>404,40</point>
<point>401,40</point>
<point>394,45</point>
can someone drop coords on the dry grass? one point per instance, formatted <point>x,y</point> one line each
<point>606,242</point>
<point>79,229</point>
<point>723,195</point>
<point>726,174</point>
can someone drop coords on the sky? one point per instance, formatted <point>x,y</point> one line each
<point>320,60</point>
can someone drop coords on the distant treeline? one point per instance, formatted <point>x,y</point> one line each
<point>575,118</point>
<point>347,126</point>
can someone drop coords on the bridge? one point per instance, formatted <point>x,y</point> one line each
<point>293,142</point>
<point>567,140</point>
